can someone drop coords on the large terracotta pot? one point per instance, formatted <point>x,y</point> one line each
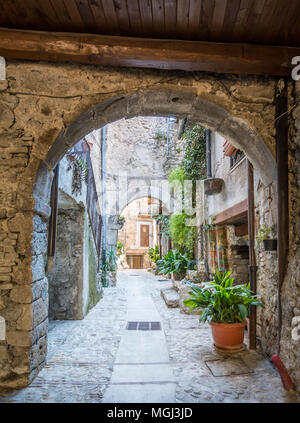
<point>228,336</point>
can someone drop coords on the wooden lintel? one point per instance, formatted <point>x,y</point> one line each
<point>232,214</point>
<point>241,230</point>
<point>147,53</point>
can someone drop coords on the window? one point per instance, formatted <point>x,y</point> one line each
<point>236,158</point>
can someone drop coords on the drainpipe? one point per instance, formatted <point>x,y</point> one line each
<point>53,219</point>
<point>252,257</point>
<point>167,146</point>
<point>103,187</point>
<point>208,153</point>
<point>282,127</point>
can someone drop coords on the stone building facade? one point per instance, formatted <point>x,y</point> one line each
<point>47,108</point>
<point>136,155</point>
<point>139,232</point>
<point>73,283</point>
<point>236,246</point>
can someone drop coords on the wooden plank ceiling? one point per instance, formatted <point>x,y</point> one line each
<point>265,22</point>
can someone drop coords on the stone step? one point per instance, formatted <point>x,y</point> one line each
<point>171,297</point>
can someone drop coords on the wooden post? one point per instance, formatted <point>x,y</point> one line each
<point>281,125</point>
<point>252,257</point>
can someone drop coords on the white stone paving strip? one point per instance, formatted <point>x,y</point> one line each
<point>142,372</point>
<point>97,359</point>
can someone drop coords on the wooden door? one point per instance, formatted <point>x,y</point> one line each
<point>144,235</point>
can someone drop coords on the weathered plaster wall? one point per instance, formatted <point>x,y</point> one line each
<point>45,108</point>
<point>235,187</point>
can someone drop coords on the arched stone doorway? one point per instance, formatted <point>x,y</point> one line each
<point>57,106</point>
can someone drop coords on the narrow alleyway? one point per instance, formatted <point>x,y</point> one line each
<point>98,360</point>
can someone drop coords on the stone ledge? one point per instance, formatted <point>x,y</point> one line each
<point>170,296</point>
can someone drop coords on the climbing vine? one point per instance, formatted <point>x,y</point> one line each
<point>192,167</point>
<point>80,171</point>
<point>182,235</point>
<point>163,221</point>
<point>194,160</point>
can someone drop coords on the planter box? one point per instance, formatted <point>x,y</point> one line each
<point>213,186</point>
<point>270,244</point>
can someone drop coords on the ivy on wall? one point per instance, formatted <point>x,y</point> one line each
<point>192,167</point>
<point>194,160</point>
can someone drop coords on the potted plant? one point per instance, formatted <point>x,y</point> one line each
<point>120,248</point>
<point>264,236</point>
<point>175,264</point>
<point>153,253</point>
<point>225,307</point>
<point>109,267</point>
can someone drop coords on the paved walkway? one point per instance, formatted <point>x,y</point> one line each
<point>142,369</point>
<point>98,360</point>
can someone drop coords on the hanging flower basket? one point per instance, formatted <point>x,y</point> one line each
<point>213,186</point>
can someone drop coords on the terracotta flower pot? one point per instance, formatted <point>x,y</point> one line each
<point>228,336</point>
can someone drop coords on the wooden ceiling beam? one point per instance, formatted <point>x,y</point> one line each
<point>147,53</point>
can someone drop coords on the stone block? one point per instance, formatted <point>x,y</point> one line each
<point>39,311</point>
<point>170,297</point>
<point>40,289</point>
<point>39,331</point>
<point>24,321</point>
<point>21,294</point>
<point>39,243</point>
<point>38,268</point>
<point>183,292</point>
<point>19,222</point>
<point>18,338</point>
<point>38,352</point>
<point>40,224</point>
<point>20,363</point>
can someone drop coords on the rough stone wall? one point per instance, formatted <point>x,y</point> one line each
<point>290,345</point>
<point>267,272</point>
<point>45,108</point>
<point>66,276</point>
<point>238,255</point>
<point>70,294</point>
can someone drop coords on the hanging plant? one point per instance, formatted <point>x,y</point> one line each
<point>80,171</point>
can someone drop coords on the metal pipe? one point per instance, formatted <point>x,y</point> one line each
<point>208,153</point>
<point>103,133</point>
<point>53,218</point>
<point>252,257</point>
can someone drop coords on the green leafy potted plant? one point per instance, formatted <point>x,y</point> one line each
<point>153,253</point>
<point>175,264</point>
<point>264,236</point>
<point>109,267</point>
<point>225,307</point>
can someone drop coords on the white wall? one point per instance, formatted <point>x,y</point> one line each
<point>236,185</point>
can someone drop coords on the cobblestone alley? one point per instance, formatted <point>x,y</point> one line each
<point>98,360</point>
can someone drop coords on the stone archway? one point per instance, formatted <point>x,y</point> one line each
<point>47,109</point>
